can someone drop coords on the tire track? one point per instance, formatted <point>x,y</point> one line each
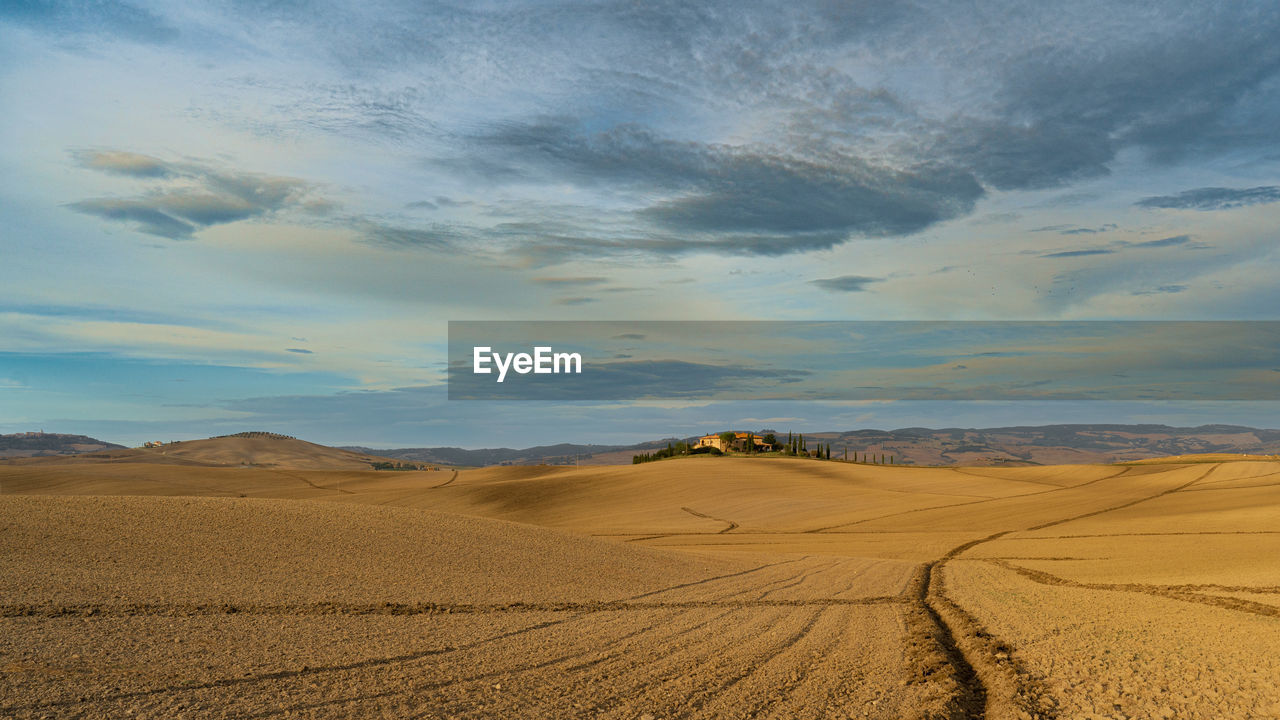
<point>368,663</point>
<point>1233,487</point>
<point>663,623</point>
<point>716,578</point>
<point>971,502</point>
<point>446,482</point>
<point>797,580</point>
<point>303,610</point>
<point>991,685</point>
<point>308,482</point>
<point>692,707</point>
<point>838,678</point>
<point>649,679</point>
<point>985,476</point>
<point>1131,503</point>
<point>1152,534</point>
<point>1246,477</point>
<point>1173,592</point>
<point>238,681</point>
<point>970,697</point>
<point>598,668</point>
<point>731,524</point>
<point>287,710</point>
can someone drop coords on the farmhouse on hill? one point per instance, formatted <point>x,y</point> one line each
<point>739,443</point>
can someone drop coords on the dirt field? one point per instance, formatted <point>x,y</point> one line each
<point>706,587</point>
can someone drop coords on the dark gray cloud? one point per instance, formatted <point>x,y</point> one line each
<point>188,196</point>
<point>846,283</point>
<point>739,127</point>
<point>552,246</point>
<point>1113,247</point>
<point>376,232</point>
<point>1011,156</point>
<point>1162,290</point>
<point>734,199</point>
<point>575,300</point>
<point>570,281</point>
<point>300,351</point>
<point>1171,82</point>
<point>143,215</point>
<point>1075,229</point>
<point>1163,242</point>
<point>1078,253</point>
<point>1213,198</point>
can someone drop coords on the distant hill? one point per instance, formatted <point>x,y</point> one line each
<point>1019,445</point>
<point>42,444</point>
<point>1050,444</point>
<point>561,454</point>
<point>249,449</point>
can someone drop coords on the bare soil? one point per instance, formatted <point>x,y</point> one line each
<point>709,587</point>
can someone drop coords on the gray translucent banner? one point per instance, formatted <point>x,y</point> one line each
<point>779,360</point>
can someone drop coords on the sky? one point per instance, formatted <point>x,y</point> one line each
<point>223,216</point>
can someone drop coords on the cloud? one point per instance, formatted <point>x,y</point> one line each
<point>1012,156</point>
<point>1064,105</point>
<point>1213,198</point>
<point>740,129</point>
<point>300,351</point>
<point>187,197</point>
<point>143,215</point>
<point>374,232</point>
<point>574,300</point>
<point>1075,230</point>
<point>122,163</point>
<point>733,199</point>
<point>846,283</point>
<point>1162,290</point>
<point>1078,253</point>
<point>570,281</point>
<point>1164,242</point>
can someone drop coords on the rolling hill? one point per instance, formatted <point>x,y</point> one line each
<point>249,449</point>
<point>1020,445</point>
<point>42,444</point>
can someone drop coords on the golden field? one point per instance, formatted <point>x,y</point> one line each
<point>229,581</point>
